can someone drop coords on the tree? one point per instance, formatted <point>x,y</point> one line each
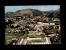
<point>10,21</point>
<point>50,27</point>
<point>17,26</point>
<point>50,15</point>
<point>12,26</point>
<point>27,27</point>
<point>37,13</point>
<point>55,39</point>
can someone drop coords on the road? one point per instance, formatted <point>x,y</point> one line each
<point>47,40</point>
<point>21,39</point>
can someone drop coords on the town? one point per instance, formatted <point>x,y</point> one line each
<point>32,30</point>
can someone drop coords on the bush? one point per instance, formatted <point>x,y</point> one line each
<point>55,39</point>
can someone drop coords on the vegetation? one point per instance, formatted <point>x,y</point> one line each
<point>56,40</point>
<point>22,13</point>
<point>8,29</point>
<point>36,41</point>
<point>12,34</point>
<point>55,14</point>
<point>36,36</point>
<point>37,13</point>
<point>50,30</point>
<point>50,14</point>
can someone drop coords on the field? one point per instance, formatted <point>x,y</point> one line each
<point>35,36</point>
<point>51,30</point>
<point>8,29</point>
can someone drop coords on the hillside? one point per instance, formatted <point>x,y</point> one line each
<point>55,14</point>
<point>24,12</point>
<point>34,12</point>
<point>8,14</point>
<point>49,12</point>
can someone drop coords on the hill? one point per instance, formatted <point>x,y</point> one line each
<point>49,12</point>
<point>55,14</point>
<point>24,12</point>
<point>9,14</point>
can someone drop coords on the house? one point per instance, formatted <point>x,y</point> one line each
<point>31,25</point>
<point>52,23</point>
<point>6,20</point>
<point>56,19</point>
<point>51,35</point>
<point>35,33</point>
<point>14,25</point>
<point>18,18</point>
<point>50,19</point>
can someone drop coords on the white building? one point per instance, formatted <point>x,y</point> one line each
<point>52,23</point>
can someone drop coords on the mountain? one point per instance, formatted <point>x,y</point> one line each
<point>55,14</point>
<point>8,14</point>
<point>49,12</point>
<point>33,12</point>
<point>24,12</point>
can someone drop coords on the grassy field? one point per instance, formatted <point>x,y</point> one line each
<point>8,29</point>
<point>36,36</point>
<point>14,34</point>
<point>49,31</point>
<point>36,41</point>
<point>11,35</point>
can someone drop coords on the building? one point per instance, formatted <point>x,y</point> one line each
<point>18,18</point>
<point>39,41</point>
<point>51,35</point>
<point>56,19</point>
<point>14,25</point>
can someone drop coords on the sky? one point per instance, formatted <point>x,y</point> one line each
<point>38,7</point>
